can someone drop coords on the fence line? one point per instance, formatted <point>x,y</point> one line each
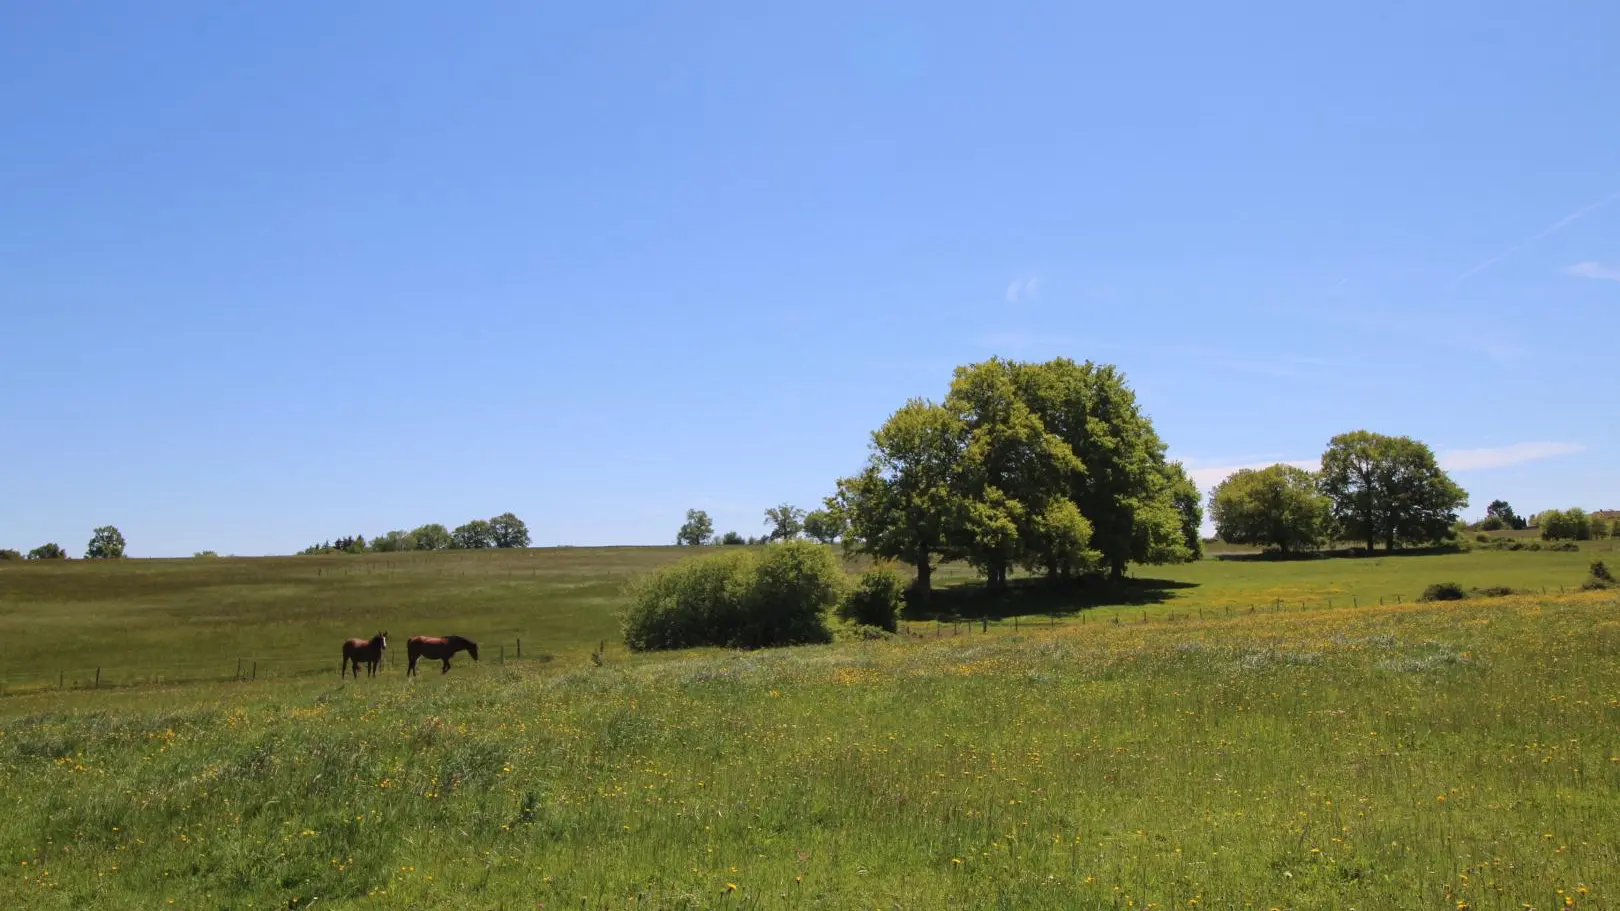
<point>237,668</point>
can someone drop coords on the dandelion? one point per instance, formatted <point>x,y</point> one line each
<point>731,887</point>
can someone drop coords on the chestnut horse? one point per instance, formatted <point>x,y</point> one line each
<point>358,650</point>
<point>440,647</point>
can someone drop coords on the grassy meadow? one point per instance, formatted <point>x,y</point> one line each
<point>1181,752</point>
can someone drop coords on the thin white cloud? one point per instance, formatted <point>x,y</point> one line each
<point>1504,456</point>
<point>1213,475</point>
<point>1020,288</point>
<point>1594,270</point>
<point>1553,228</point>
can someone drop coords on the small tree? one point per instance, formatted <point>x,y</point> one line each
<point>1504,514</point>
<point>822,525</point>
<point>107,543</point>
<point>7,553</point>
<point>732,538</point>
<point>786,522</point>
<point>432,536</point>
<point>1601,528</point>
<point>475,535</point>
<point>697,531</point>
<point>1276,507</point>
<point>49,551</point>
<point>509,531</point>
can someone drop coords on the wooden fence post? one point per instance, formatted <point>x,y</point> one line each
<point>520,648</point>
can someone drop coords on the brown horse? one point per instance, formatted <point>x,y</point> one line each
<point>439,647</point>
<point>358,650</point>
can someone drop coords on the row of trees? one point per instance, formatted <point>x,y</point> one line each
<point>1049,466</point>
<point>1573,525</point>
<point>106,543</point>
<point>504,530</point>
<point>787,523</point>
<point>1372,488</point>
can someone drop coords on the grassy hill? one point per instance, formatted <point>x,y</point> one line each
<point>148,620</point>
<point>1174,754</point>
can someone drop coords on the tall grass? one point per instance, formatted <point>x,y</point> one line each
<point>1457,754</point>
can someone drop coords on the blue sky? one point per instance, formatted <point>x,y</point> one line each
<point>274,273</point>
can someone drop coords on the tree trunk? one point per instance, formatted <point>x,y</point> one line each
<point>996,576</point>
<point>925,577</point>
<point>1116,570</point>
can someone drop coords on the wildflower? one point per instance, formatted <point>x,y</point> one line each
<point>731,887</point>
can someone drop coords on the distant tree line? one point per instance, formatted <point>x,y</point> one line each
<point>1572,525</point>
<point>503,531</point>
<point>787,523</point>
<point>1372,488</point>
<point>106,543</point>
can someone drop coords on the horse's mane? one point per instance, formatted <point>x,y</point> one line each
<point>459,640</point>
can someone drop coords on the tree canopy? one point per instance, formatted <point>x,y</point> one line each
<point>1280,506</point>
<point>786,522</point>
<point>1503,513</point>
<point>697,531</point>
<point>507,530</point>
<point>106,543</point>
<point>1390,489</point>
<point>822,525</point>
<point>1050,466</point>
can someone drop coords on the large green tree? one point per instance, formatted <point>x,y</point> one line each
<point>786,522</point>
<point>697,531</point>
<point>901,505</point>
<point>474,535</point>
<point>106,543</point>
<point>1142,508</point>
<point>507,530</point>
<point>1279,507</point>
<point>1013,474</point>
<point>1389,488</point>
<point>48,551</point>
<point>822,525</point>
<point>432,536</point>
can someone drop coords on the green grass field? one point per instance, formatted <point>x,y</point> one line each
<point>1181,753</point>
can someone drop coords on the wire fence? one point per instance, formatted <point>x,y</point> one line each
<point>243,669</point>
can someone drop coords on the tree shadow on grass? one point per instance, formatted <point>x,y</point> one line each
<point>1039,597</point>
<point>1272,556</point>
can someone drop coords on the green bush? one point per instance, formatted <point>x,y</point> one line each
<point>7,553</point>
<point>876,599</point>
<point>1564,547</point>
<point>1493,523</point>
<point>737,599</point>
<point>1494,591</point>
<point>1443,591</point>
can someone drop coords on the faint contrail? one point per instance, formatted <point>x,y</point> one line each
<point>1558,225</point>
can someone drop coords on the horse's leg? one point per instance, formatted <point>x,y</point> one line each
<point>446,668</point>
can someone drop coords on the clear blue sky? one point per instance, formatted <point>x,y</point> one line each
<point>271,273</point>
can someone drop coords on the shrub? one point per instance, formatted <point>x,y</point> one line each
<point>737,598</point>
<point>1492,523</point>
<point>7,553</point>
<point>876,599</point>
<point>1443,591</point>
<point>1564,547</point>
<point>796,583</point>
<point>1494,591</point>
<point>1600,571</point>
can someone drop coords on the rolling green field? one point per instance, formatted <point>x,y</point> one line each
<point>1181,752</point>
